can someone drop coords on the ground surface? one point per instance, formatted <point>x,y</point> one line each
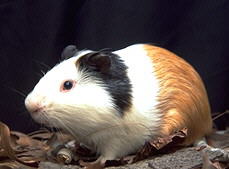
<point>187,158</point>
<point>36,150</point>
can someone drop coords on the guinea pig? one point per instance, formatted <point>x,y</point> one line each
<point>115,101</point>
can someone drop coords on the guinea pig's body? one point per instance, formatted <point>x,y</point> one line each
<point>114,102</point>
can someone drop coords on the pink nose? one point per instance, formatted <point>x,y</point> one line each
<point>32,106</point>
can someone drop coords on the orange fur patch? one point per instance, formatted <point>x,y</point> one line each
<point>183,98</point>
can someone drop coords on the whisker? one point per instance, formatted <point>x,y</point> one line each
<point>64,121</point>
<point>42,63</point>
<point>43,72</point>
<point>105,50</point>
<point>45,119</point>
<point>65,126</point>
<point>17,91</point>
<point>51,124</point>
<point>39,75</point>
<point>58,131</point>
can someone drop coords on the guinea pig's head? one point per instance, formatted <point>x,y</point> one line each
<point>78,91</point>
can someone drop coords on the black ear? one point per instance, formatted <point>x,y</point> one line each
<point>68,52</point>
<point>99,60</point>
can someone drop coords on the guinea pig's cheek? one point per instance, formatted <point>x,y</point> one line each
<point>38,117</point>
<point>42,120</point>
<point>42,117</point>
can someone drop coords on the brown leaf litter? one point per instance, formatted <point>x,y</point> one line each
<point>28,150</point>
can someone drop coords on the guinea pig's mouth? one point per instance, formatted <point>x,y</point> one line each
<point>40,116</point>
<point>38,110</point>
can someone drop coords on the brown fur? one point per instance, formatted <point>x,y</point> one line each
<point>183,98</point>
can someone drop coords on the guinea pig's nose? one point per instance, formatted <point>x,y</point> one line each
<point>33,106</point>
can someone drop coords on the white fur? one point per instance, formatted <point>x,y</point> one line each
<point>87,111</point>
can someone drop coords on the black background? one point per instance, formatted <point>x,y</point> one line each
<point>34,32</point>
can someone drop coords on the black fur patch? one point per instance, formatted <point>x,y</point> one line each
<point>114,78</point>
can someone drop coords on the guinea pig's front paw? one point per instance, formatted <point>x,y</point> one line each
<point>92,165</point>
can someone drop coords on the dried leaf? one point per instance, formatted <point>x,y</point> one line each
<point>219,139</point>
<point>13,165</point>
<point>207,164</point>
<point>32,156</point>
<point>3,153</point>
<point>29,150</point>
<point>17,148</point>
<point>8,165</point>
<point>24,140</point>
<point>5,141</point>
<point>42,134</point>
<point>159,145</point>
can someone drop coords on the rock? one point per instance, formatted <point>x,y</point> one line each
<point>186,158</point>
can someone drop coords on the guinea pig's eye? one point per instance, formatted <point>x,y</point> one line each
<point>67,85</point>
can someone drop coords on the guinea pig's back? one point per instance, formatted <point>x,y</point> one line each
<point>183,100</point>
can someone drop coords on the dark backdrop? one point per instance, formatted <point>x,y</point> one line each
<point>34,32</point>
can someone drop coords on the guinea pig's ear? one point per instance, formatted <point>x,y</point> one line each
<point>68,52</point>
<point>99,60</point>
